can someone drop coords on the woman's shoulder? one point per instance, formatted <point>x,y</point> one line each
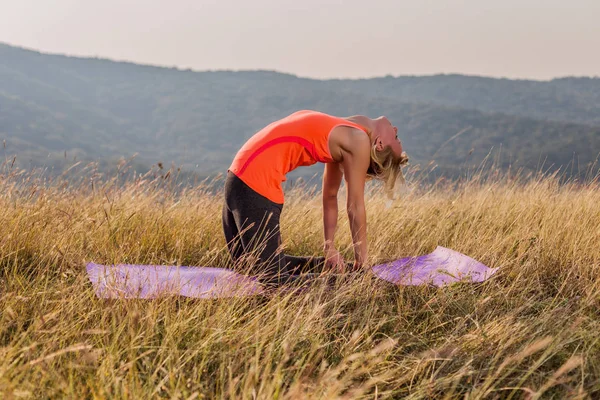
<point>348,139</point>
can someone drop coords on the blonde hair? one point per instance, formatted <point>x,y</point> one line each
<point>387,168</point>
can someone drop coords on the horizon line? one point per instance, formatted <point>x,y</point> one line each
<point>258,70</point>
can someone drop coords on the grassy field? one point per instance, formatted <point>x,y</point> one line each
<point>530,332</point>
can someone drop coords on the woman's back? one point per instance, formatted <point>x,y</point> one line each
<point>297,140</point>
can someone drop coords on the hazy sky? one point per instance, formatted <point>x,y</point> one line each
<point>537,39</point>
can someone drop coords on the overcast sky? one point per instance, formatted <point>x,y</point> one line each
<point>537,39</point>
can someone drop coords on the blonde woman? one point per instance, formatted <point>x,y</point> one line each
<point>355,148</point>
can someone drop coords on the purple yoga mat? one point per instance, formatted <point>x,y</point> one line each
<point>439,268</point>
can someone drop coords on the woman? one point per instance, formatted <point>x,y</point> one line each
<point>356,148</point>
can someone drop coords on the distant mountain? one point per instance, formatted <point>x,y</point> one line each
<point>567,99</point>
<point>53,106</point>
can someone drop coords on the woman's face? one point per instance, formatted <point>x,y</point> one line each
<point>387,135</point>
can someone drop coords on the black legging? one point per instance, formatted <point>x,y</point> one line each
<point>251,226</point>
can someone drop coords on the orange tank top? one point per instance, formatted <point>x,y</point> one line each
<point>297,140</point>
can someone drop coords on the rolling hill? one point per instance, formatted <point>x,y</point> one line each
<point>56,108</point>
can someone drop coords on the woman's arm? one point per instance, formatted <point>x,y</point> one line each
<point>332,179</point>
<point>356,161</point>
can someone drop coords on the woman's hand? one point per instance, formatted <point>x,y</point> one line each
<point>334,260</point>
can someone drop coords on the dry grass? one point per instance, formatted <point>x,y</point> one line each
<point>531,332</point>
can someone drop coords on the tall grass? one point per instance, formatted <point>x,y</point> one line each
<point>530,332</point>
